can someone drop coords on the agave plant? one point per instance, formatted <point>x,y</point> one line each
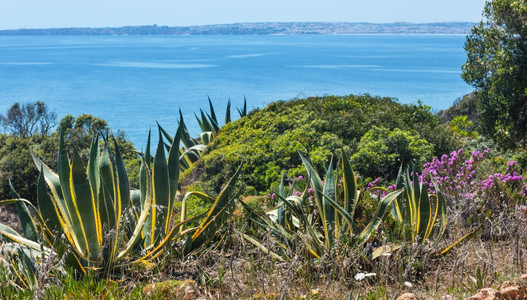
<point>88,215</point>
<point>158,186</point>
<point>331,218</point>
<point>418,209</point>
<point>192,148</point>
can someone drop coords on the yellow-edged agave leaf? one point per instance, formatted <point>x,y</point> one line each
<point>183,213</point>
<point>85,205</point>
<point>401,208</point>
<point>145,187</point>
<point>459,241</point>
<point>379,215</point>
<point>28,225</point>
<point>159,185</point>
<point>222,207</point>
<point>95,187</point>
<point>262,247</point>
<point>420,210</point>
<point>329,211</point>
<point>281,210</point>
<point>107,193</point>
<point>161,191</point>
<point>71,213</point>
<point>122,183</point>
<point>440,209</point>
<point>53,182</point>
<point>228,112</point>
<point>318,189</point>
<point>173,175</point>
<point>14,236</point>
<point>387,249</point>
<point>349,182</point>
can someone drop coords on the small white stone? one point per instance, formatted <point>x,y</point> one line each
<point>361,276</point>
<point>408,284</point>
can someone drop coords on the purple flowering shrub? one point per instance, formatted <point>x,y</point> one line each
<point>473,182</point>
<point>468,175</point>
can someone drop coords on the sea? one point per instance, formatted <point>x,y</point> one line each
<point>133,82</point>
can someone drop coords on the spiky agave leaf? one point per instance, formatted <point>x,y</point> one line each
<point>220,210</point>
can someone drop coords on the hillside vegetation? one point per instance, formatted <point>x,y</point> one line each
<point>352,197</point>
<point>378,133</point>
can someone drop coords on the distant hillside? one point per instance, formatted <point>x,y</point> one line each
<point>261,28</point>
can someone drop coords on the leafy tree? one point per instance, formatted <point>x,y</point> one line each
<point>497,67</point>
<point>79,132</point>
<point>27,119</point>
<point>16,163</point>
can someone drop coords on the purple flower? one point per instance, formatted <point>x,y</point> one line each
<point>300,177</point>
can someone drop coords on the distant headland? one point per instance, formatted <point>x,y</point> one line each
<point>262,28</point>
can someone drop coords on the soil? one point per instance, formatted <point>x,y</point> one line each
<point>9,217</point>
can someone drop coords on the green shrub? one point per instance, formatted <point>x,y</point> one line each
<point>269,139</point>
<point>382,151</point>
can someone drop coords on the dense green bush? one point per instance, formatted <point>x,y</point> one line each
<point>383,151</point>
<point>16,163</point>
<point>269,139</point>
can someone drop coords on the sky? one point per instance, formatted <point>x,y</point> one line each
<point>16,14</point>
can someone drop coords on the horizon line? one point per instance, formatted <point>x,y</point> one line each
<point>243,23</point>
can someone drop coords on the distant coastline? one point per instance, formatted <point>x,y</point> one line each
<point>262,28</point>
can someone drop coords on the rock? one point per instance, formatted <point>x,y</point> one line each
<point>448,297</point>
<point>512,291</point>
<point>506,284</point>
<point>407,296</point>
<point>171,289</point>
<point>508,291</point>
<point>486,294</point>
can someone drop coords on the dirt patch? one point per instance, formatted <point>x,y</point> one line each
<point>9,217</point>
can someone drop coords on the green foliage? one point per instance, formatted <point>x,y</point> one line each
<point>460,125</point>
<point>268,139</point>
<point>382,151</point>
<point>496,66</point>
<point>16,163</point>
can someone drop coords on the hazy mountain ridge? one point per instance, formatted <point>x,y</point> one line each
<point>276,28</point>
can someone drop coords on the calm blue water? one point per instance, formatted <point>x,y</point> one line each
<point>132,81</point>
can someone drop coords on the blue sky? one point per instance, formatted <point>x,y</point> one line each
<point>101,13</point>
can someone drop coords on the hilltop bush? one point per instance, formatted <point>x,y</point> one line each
<point>269,139</point>
<point>382,151</point>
